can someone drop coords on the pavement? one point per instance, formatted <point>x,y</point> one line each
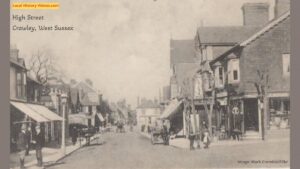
<point>133,150</point>
<point>185,143</point>
<point>50,155</point>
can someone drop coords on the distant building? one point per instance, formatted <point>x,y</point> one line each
<point>84,100</point>
<point>184,63</point>
<point>147,113</point>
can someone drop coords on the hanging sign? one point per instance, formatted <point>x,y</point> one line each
<point>235,110</point>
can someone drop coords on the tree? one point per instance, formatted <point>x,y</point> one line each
<point>41,64</point>
<point>262,85</point>
<point>187,93</point>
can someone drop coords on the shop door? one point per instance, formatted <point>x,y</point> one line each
<point>251,114</point>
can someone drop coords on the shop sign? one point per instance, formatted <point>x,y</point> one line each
<point>204,101</point>
<point>223,102</point>
<point>222,94</point>
<point>236,111</point>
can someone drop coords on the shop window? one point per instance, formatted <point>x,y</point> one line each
<point>279,113</point>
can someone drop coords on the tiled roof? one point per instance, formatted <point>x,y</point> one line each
<point>90,99</point>
<point>185,71</point>
<point>265,29</point>
<point>182,51</point>
<point>148,104</point>
<point>246,41</point>
<point>85,87</point>
<point>224,34</point>
<point>87,94</point>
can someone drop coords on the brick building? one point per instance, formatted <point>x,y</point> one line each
<point>263,57</point>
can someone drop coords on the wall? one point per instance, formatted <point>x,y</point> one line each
<point>266,52</point>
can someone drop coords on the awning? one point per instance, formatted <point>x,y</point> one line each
<point>100,117</point>
<point>38,113</point>
<point>171,109</point>
<point>29,112</point>
<point>44,111</point>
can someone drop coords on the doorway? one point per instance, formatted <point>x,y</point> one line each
<point>251,114</point>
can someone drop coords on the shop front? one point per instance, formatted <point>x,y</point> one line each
<point>279,113</point>
<point>31,115</point>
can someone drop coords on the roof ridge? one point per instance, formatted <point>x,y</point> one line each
<point>267,27</point>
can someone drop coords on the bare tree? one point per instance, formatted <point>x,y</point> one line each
<point>262,85</point>
<point>41,64</point>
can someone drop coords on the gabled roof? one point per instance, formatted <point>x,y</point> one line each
<point>182,51</point>
<point>85,87</point>
<point>224,34</point>
<point>87,94</point>
<point>90,99</point>
<point>185,71</point>
<point>254,36</point>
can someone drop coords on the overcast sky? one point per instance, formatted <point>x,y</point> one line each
<point>123,45</point>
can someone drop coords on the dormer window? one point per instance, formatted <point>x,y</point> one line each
<point>233,71</point>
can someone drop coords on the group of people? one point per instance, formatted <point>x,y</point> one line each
<point>25,141</point>
<point>202,135</point>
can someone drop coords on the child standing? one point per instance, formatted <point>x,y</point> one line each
<point>206,139</point>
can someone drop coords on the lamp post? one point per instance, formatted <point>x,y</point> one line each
<point>63,140</point>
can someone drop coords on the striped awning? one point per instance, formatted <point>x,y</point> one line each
<point>171,109</point>
<point>38,113</point>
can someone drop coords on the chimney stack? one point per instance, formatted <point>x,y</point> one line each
<point>14,52</point>
<point>281,6</point>
<point>255,14</point>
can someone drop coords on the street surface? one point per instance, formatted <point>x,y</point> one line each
<point>131,150</point>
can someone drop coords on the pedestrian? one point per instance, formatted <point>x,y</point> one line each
<point>39,143</point>
<point>165,133</point>
<point>206,138</point>
<point>74,135</point>
<point>28,140</point>
<point>21,145</point>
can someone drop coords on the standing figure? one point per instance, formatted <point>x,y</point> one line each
<point>165,133</point>
<point>28,140</point>
<point>74,135</point>
<point>21,145</point>
<point>206,139</point>
<point>39,143</point>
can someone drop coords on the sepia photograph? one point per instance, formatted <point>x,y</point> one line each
<point>149,84</point>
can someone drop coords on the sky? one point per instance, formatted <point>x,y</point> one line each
<point>123,46</point>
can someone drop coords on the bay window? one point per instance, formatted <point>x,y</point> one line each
<point>233,71</point>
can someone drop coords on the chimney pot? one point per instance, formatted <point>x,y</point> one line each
<point>255,14</point>
<point>281,6</point>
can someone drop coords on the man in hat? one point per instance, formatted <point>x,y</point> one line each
<point>21,145</point>
<point>39,143</point>
<point>28,140</point>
